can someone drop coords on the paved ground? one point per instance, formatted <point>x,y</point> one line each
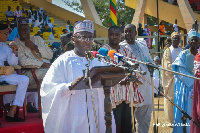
<point>162,128</point>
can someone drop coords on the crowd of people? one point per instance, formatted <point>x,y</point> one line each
<point>65,110</point>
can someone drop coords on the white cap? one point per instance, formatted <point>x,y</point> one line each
<point>85,25</point>
<point>156,58</point>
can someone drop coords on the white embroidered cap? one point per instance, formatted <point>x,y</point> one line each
<point>156,58</point>
<point>85,25</point>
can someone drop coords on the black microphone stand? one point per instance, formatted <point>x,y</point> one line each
<point>132,78</point>
<point>151,70</point>
<point>151,67</point>
<point>185,115</point>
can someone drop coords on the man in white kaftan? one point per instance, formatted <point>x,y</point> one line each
<point>64,110</point>
<point>169,56</point>
<point>28,57</point>
<point>138,50</point>
<point>21,81</point>
<point>32,52</point>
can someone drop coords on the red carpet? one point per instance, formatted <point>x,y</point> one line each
<point>33,124</point>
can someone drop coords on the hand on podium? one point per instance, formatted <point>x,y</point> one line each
<point>76,80</point>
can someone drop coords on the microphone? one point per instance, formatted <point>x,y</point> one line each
<point>111,54</point>
<point>89,55</point>
<point>103,51</point>
<point>94,54</point>
<point>118,57</point>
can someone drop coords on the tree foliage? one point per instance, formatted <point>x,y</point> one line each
<point>75,5</point>
<point>102,7</point>
<point>124,13</point>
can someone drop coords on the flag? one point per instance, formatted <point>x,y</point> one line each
<point>113,13</point>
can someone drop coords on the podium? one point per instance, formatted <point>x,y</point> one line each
<point>106,77</point>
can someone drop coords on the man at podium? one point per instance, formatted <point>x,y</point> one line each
<point>64,110</point>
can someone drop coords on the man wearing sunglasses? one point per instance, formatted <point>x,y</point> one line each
<point>6,54</point>
<point>71,111</point>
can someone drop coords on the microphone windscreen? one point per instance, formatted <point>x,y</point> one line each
<point>94,53</point>
<point>103,51</point>
<point>89,55</point>
<point>111,53</point>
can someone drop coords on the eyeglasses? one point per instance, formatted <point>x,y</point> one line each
<point>83,38</point>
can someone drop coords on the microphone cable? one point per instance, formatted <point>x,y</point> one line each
<point>91,92</point>
<point>89,56</point>
<point>87,110</point>
<point>85,72</point>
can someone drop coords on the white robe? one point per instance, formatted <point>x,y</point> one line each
<point>65,111</point>
<point>169,56</point>
<point>13,79</point>
<point>26,57</point>
<point>156,80</point>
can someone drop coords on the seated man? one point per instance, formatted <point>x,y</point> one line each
<point>32,52</point>
<point>50,24</point>
<point>21,81</point>
<point>52,37</point>
<point>39,22</point>
<point>8,13</point>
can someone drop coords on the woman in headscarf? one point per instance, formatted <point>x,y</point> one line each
<point>140,30</point>
<point>183,86</point>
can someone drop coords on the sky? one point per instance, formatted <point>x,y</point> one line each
<point>61,4</point>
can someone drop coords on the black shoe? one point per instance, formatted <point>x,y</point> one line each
<point>13,119</point>
<point>31,109</point>
<point>6,112</point>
